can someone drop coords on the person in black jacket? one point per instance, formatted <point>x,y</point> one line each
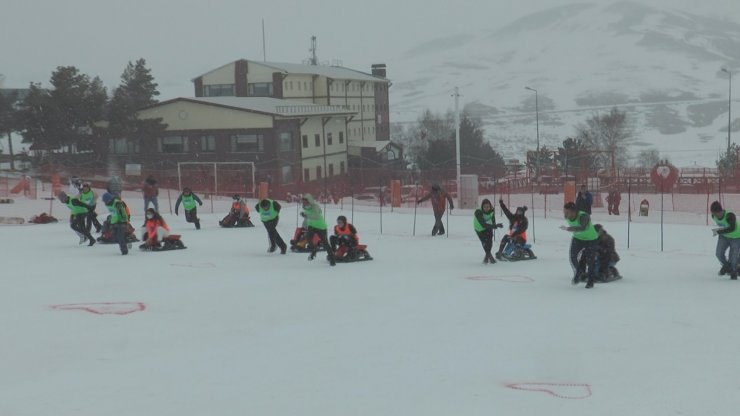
<point>728,236</point>
<point>484,222</point>
<point>439,198</point>
<point>584,200</point>
<point>518,225</point>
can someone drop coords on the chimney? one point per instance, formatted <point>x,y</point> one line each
<point>378,70</point>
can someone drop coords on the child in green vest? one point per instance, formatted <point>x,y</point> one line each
<point>584,242</point>
<point>269,212</point>
<point>188,200</point>
<point>90,198</point>
<point>728,236</point>
<point>77,217</point>
<point>484,222</point>
<point>316,225</point>
<point>119,218</point>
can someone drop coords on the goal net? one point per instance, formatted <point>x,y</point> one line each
<point>217,178</point>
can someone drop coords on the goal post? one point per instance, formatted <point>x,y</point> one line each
<point>217,178</point>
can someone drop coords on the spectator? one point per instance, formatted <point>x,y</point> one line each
<point>151,191</point>
<point>584,200</point>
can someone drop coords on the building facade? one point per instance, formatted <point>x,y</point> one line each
<point>364,94</point>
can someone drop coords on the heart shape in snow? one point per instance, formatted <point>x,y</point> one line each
<point>104,308</point>
<point>574,391</point>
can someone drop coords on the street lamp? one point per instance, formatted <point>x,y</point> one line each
<point>537,114</point>
<point>729,110</point>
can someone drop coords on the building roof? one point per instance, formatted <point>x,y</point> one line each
<point>334,72</point>
<point>267,105</point>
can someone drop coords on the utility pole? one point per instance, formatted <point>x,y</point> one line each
<point>537,115</point>
<point>314,59</point>
<point>457,145</point>
<point>264,48</point>
<point>729,111</point>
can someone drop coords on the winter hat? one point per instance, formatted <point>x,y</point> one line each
<point>235,197</point>
<point>342,219</point>
<point>435,186</point>
<point>62,196</point>
<point>521,209</point>
<point>716,207</point>
<point>107,197</point>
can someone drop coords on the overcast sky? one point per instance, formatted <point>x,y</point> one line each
<point>182,39</point>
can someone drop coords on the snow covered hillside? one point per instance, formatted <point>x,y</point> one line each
<point>661,66</point>
<point>223,328</point>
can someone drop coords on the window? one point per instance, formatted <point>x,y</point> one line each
<point>287,174</point>
<point>247,143</point>
<point>318,172</point>
<point>286,141</point>
<point>173,144</point>
<point>317,139</point>
<point>299,85</point>
<point>305,85</point>
<point>305,141</point>
<point>328,139</point>
<point>259,89</point>
<point>218,90</point>
<point>306,175</point>
<point>123,146</point>
<point>208,143</point>
<point>341,168</point>
<point>341,137</point>
<point>331,169</point>
<point>291,84</point>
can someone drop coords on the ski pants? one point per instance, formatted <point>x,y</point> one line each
<point>119,235</point>
<point>272,234</point>
<point>509,239</point>
<point>723,243</point>
<point>192,216</point>
<point>337,241</point>
<point>439,227</point>
<point>323,241</point>
<point>77,223</point>
<point>587,250</point>
<point>92,219</point>
<point>486,239</point>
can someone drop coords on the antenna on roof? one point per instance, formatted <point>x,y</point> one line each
<point>313,60</point>
<point>264,49</point>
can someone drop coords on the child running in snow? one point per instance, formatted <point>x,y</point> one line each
<point>79,211</point>
<point>188,200</point>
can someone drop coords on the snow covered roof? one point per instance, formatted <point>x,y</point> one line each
<point>334,72</point>
<point>268,105</point>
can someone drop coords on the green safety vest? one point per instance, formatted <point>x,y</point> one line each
<point>117,216</point>
<point>88,197</point>
<point>319,224</point>
<point>188,202</point>
<point>488,219</point>
<point>268,214</point>
<point>74,208</point>
<point>724,224</point>
<point>589,234</point>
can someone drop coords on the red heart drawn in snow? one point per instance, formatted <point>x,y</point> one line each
<point>104,308</point>
<point>560,390</point>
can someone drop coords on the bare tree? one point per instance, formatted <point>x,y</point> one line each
<point>610,134</point>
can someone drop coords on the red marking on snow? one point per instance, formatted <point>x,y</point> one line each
<point>509,278</point>
<point>574,391</point>
<point>104,308</point>
<point>195,265</point>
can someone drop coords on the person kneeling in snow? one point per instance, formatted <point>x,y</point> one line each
<point>606,256</point>
<point>238,216</point>
<point>155,230</point>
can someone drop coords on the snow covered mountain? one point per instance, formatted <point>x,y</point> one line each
<point>661,66</point>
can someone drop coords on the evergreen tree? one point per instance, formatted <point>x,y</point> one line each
<point>727,163</point>
<point>8,120</point>
<point>137,90</point>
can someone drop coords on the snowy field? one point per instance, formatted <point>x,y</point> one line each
<point>224,328</point>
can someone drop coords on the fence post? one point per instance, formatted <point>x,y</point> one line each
<point>629,211</point>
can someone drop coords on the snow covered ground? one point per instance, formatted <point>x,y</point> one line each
<point>424,329</point>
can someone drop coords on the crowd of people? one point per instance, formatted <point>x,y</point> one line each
<point>593,256</point>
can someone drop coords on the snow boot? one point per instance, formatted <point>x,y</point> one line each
<point>724,270</point>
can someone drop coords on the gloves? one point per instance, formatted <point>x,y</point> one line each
<point>200,204</point>
<point>303,214</point>
<point>501,200</point>
<point>564,228</point>
<point>715,231</point>
<point>499,225</point>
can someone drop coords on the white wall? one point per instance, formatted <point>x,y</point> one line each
<point>223,75</point>
<point>186,115</point>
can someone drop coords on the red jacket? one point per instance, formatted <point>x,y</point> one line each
<point>152,224</point>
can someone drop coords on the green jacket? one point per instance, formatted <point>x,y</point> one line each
<point>314,215</point>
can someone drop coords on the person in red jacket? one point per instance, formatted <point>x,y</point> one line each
<point>439,198</point>
<point>155,229</point>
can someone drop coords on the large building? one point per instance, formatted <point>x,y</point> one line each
<point>367,131</point>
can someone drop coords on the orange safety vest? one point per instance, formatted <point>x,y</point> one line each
<point>515,225</point>
<point>344,231</point>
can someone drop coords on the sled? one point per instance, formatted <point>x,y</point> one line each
<point>108,239</point>
<point>345,254</point>
<point>11,220</point>
<point>230,222</point>
<point>6,201</point>
<point>171,242</point>
<point>517,252</point>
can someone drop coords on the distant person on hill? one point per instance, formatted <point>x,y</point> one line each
<point>439,198</point>
<point>584,200</point>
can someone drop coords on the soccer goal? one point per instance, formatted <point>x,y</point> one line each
<point>217,178</point>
